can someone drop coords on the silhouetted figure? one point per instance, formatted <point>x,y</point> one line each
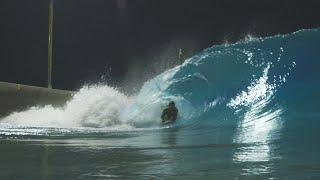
<point>170,113</point>
<point>181,56</point>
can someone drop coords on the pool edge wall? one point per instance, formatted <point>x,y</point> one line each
<point>18,97</point>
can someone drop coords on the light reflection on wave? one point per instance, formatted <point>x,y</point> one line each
<point>258,128</point>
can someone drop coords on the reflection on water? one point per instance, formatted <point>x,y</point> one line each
<point>257,131</point>
<point>45,163</point>
<point>169,137</point>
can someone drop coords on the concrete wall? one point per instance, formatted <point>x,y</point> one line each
<point>17,97</point>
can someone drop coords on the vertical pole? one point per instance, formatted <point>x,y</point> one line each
<point>50,43</point>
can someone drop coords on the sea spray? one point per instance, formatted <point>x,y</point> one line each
<point>91,106</point>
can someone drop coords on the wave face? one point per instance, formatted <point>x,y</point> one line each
<point>260,96</point>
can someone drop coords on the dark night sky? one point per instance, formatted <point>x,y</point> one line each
<point>136,39</point>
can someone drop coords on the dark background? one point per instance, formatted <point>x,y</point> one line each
<point>125,42</point>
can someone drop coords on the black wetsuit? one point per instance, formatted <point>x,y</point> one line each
<point>169,114</point>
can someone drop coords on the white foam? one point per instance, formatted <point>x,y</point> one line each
<point>95,106</point>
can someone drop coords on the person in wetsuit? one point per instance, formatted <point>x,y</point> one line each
<point>170,113</point>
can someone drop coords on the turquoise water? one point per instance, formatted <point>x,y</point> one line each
<point>248,110</point>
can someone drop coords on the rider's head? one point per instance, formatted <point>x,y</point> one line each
<point>171,103</point>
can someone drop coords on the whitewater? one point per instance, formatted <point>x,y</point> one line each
<point>246,110</point>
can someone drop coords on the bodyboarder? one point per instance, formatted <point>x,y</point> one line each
<point>170,113</point>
